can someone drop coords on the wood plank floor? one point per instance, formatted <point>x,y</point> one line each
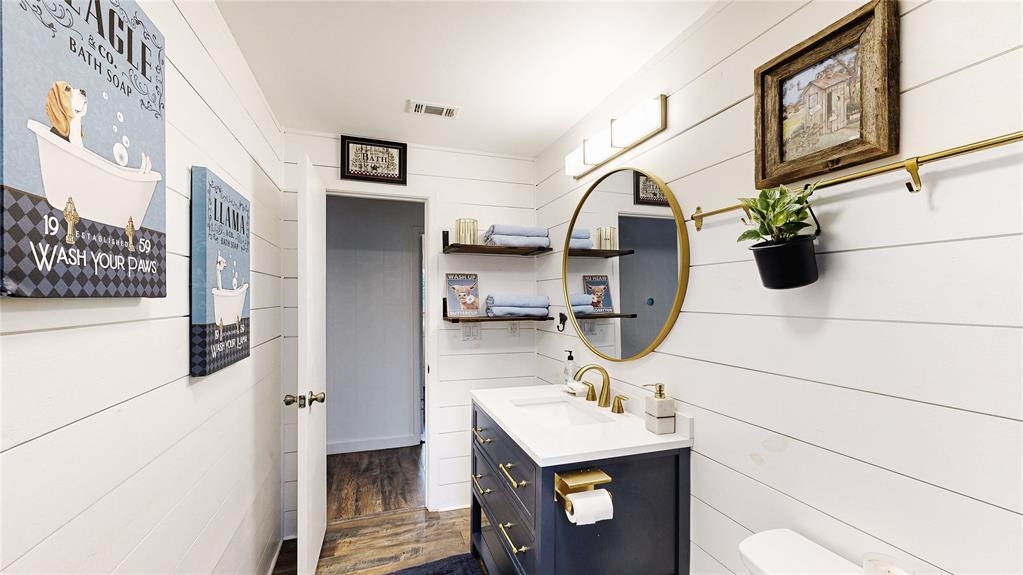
<point>376,520</point>
<point>371,482</point>
<point>381,544</point>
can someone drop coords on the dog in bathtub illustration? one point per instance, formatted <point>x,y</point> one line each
<point>227,303</point>
<point>80,182</point>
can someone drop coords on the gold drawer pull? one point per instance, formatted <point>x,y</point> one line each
<point>479,437</point>
<point>504,469</point>
<point>479,488</point>
<point>504,527</point>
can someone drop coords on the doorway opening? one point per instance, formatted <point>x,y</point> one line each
<point>375,330</point>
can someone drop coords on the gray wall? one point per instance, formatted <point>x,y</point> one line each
<point>373,323</point>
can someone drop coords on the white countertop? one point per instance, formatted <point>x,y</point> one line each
<point>546,444</point>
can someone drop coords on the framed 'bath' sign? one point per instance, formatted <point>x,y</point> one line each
<point>220,274</point>
<point>82,150</point>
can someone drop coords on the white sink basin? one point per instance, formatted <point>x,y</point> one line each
<point>559,412</point>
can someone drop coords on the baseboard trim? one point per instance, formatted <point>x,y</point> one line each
<point>277,554</point>
<point>335,447</point>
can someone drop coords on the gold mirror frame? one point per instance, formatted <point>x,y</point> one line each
<point>683,265</point>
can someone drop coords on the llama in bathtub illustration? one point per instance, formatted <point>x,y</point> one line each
<point>228,304</point>
<point>82,183</point>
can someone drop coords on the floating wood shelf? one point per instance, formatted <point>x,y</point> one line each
<point>486,318</point>
<point>606,316</point>
<point>577,253</point>
<point>480,249</point>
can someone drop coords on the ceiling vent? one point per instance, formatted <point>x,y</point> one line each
<point>424,109</point>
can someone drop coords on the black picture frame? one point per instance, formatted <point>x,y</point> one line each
<point>348,173</point>
<point>637,192</point>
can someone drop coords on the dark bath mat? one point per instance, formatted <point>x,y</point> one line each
<point>454,565</point>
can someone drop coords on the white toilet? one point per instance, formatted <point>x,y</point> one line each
<point>785,552</point>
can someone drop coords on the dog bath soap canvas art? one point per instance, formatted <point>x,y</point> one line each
<point>82,152</point>
<point>220,274</point>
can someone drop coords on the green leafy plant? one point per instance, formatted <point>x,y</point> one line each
<point>777,214</point>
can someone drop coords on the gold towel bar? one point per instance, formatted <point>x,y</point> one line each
<point>912,165</point>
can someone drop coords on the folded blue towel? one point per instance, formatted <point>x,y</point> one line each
<point>513,311</point>
<point>580,244</point>
<point>580,299</point>
<point>582,309</point>
<point>518,241</point>
<point>513,300</point>
<point>580,233</point>
<point>510,230</point>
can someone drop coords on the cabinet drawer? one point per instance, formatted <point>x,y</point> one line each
<point>485,433</point>
<point>512,466</point>
<point>485,482</point>
<point>515,540</point>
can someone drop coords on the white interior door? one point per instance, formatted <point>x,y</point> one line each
<point>312,367</point>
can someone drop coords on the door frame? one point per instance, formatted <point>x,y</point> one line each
<point>417,239</point>
<point>334,188</point>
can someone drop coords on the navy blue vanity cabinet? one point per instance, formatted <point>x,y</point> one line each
<point>518,527</point>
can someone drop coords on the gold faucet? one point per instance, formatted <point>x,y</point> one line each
<point>605,386</point>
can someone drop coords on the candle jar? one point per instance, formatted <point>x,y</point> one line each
<point>466,230</point>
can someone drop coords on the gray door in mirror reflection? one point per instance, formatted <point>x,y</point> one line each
<point>650,276</point>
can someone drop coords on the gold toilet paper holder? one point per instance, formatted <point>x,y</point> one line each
<point>575,482</point>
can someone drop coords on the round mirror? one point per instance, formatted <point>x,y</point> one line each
<point>625,265</point>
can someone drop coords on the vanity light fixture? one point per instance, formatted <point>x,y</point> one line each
<point>597,149</point>
<point>621,135</point>
<point>574,165</point>
<point>640,123</point>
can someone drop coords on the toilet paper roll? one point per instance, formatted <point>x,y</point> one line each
<point>589,507</point>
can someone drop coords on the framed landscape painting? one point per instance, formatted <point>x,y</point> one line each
<point>830,101</point>
<point>373,160</point>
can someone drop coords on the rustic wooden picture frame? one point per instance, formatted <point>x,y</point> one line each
<point>875,27</point>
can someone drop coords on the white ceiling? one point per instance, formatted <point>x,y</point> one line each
<point>522,73</point>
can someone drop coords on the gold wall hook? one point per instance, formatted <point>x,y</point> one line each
<point>913,167</point>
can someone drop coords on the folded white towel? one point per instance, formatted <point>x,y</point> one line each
<point>515,300</point>
<point>512,230</point>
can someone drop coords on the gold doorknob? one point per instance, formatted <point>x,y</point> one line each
<point>320,397</point>
<point>293,399</point>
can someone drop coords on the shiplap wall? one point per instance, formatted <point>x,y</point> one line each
<point>113,459</point>
<point>453,183</point>
<point>880,408</point>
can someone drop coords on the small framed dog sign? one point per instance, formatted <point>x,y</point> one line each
<point>373,160</point>
<point>599,289</point>
<point>82,150</point>
<point>220,274</point>
<point>463,295</point>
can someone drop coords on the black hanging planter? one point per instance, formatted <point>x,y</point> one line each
<point>790,264</point>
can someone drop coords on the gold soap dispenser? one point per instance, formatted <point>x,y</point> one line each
<point>660,411</point>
